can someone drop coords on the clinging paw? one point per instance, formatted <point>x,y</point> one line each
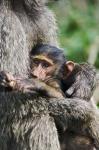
<point>7,81</point>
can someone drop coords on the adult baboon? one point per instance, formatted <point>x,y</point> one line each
<point>23,24</point>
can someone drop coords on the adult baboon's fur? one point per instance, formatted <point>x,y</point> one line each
<point>23,24</point>
<point>26,122</point>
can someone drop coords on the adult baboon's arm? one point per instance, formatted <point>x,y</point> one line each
<point>68,109</point>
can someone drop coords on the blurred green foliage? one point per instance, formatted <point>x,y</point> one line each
<point>78,27</point>
<point>98,104</point>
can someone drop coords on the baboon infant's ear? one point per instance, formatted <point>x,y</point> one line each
<point>70,66</point>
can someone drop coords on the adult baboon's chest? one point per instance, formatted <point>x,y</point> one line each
<point>13,43</point>
<point>29,26</point>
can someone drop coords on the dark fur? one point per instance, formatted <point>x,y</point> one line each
<point>85,78</point>
<point>81,84</point>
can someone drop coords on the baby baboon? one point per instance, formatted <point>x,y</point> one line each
<point>81,82</point>
<point>77,81</point>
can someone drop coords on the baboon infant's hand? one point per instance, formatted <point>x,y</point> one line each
<point>7,81</point>
<point>10,83</point>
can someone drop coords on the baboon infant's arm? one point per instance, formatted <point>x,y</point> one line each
<point>50,89</point>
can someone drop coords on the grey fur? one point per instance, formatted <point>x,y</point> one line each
<point>23,24</point>
<point>25,123</point>
<point>27,120</point>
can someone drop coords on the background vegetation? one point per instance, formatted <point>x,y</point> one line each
<point>78,22</point>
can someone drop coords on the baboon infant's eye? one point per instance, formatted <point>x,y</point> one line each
<point>45,65</point>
